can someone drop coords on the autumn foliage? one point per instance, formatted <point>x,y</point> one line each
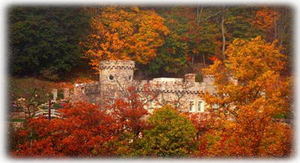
<point>129,112</point>
<point>248,49</point>
<point>83,130</point>
<point>250,93</point>
<point>241,120</point>
<point>124,33</point>
<point>266,18</point>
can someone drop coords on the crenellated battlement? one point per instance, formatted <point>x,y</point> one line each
<point>117,64</point>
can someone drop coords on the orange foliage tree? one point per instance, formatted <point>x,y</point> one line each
<point>266,18</point>
<point>250,93</point>
<point>124,33</point>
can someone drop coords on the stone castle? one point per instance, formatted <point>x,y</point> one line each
<point>116,76</point>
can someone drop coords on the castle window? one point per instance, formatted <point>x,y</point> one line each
<point>129,77</point>
<point>191,106</point>
<point>111,77</point>
<point>199,106</point>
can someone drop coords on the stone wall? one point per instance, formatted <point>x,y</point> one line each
<point>116,76</point>
<point>182,93</point>
<point>86,92</point>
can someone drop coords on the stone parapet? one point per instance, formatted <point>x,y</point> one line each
<point>117,64</point>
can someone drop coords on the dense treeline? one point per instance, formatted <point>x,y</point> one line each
<point>51,41</point>
<point>44,40</point>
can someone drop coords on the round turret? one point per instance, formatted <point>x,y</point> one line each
<point>116,72</point>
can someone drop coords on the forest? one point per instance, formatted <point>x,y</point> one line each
<point>55,47</point>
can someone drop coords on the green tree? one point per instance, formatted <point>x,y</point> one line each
<point>44,40</point>
<point>221,25</point>
<point>171,58</point>
<point>172,135</point>
<point>177,52</point>
<point>201,32</point>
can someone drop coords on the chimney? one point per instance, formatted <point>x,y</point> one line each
<point>190,77</point>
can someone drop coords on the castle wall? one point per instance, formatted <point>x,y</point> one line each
<point>186,102</point>
<point>116,76</point>
<point>86,92</point>
<point>179,92</point>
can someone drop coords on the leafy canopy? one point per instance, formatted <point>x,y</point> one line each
<point>172,135</point>
<point>124,33</point>
<point>44,40</point>
<point>81,123</point>
<point>250,92</point>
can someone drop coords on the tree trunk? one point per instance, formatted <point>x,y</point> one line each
<point>198,18</point>
<point>223,36</point>
<point>49,109</point>
<point>203,56</point>
<point>275,27</point>
<point>193,60</point>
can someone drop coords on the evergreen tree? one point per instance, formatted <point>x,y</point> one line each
<point>44,40</point>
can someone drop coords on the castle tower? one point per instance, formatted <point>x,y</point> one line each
<point>115,75</point>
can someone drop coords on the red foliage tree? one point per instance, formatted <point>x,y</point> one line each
<point>129,111</point>
<point>84,130</point>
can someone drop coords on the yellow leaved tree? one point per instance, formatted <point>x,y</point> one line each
<point>250,95</point>
<point>124,33</point>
